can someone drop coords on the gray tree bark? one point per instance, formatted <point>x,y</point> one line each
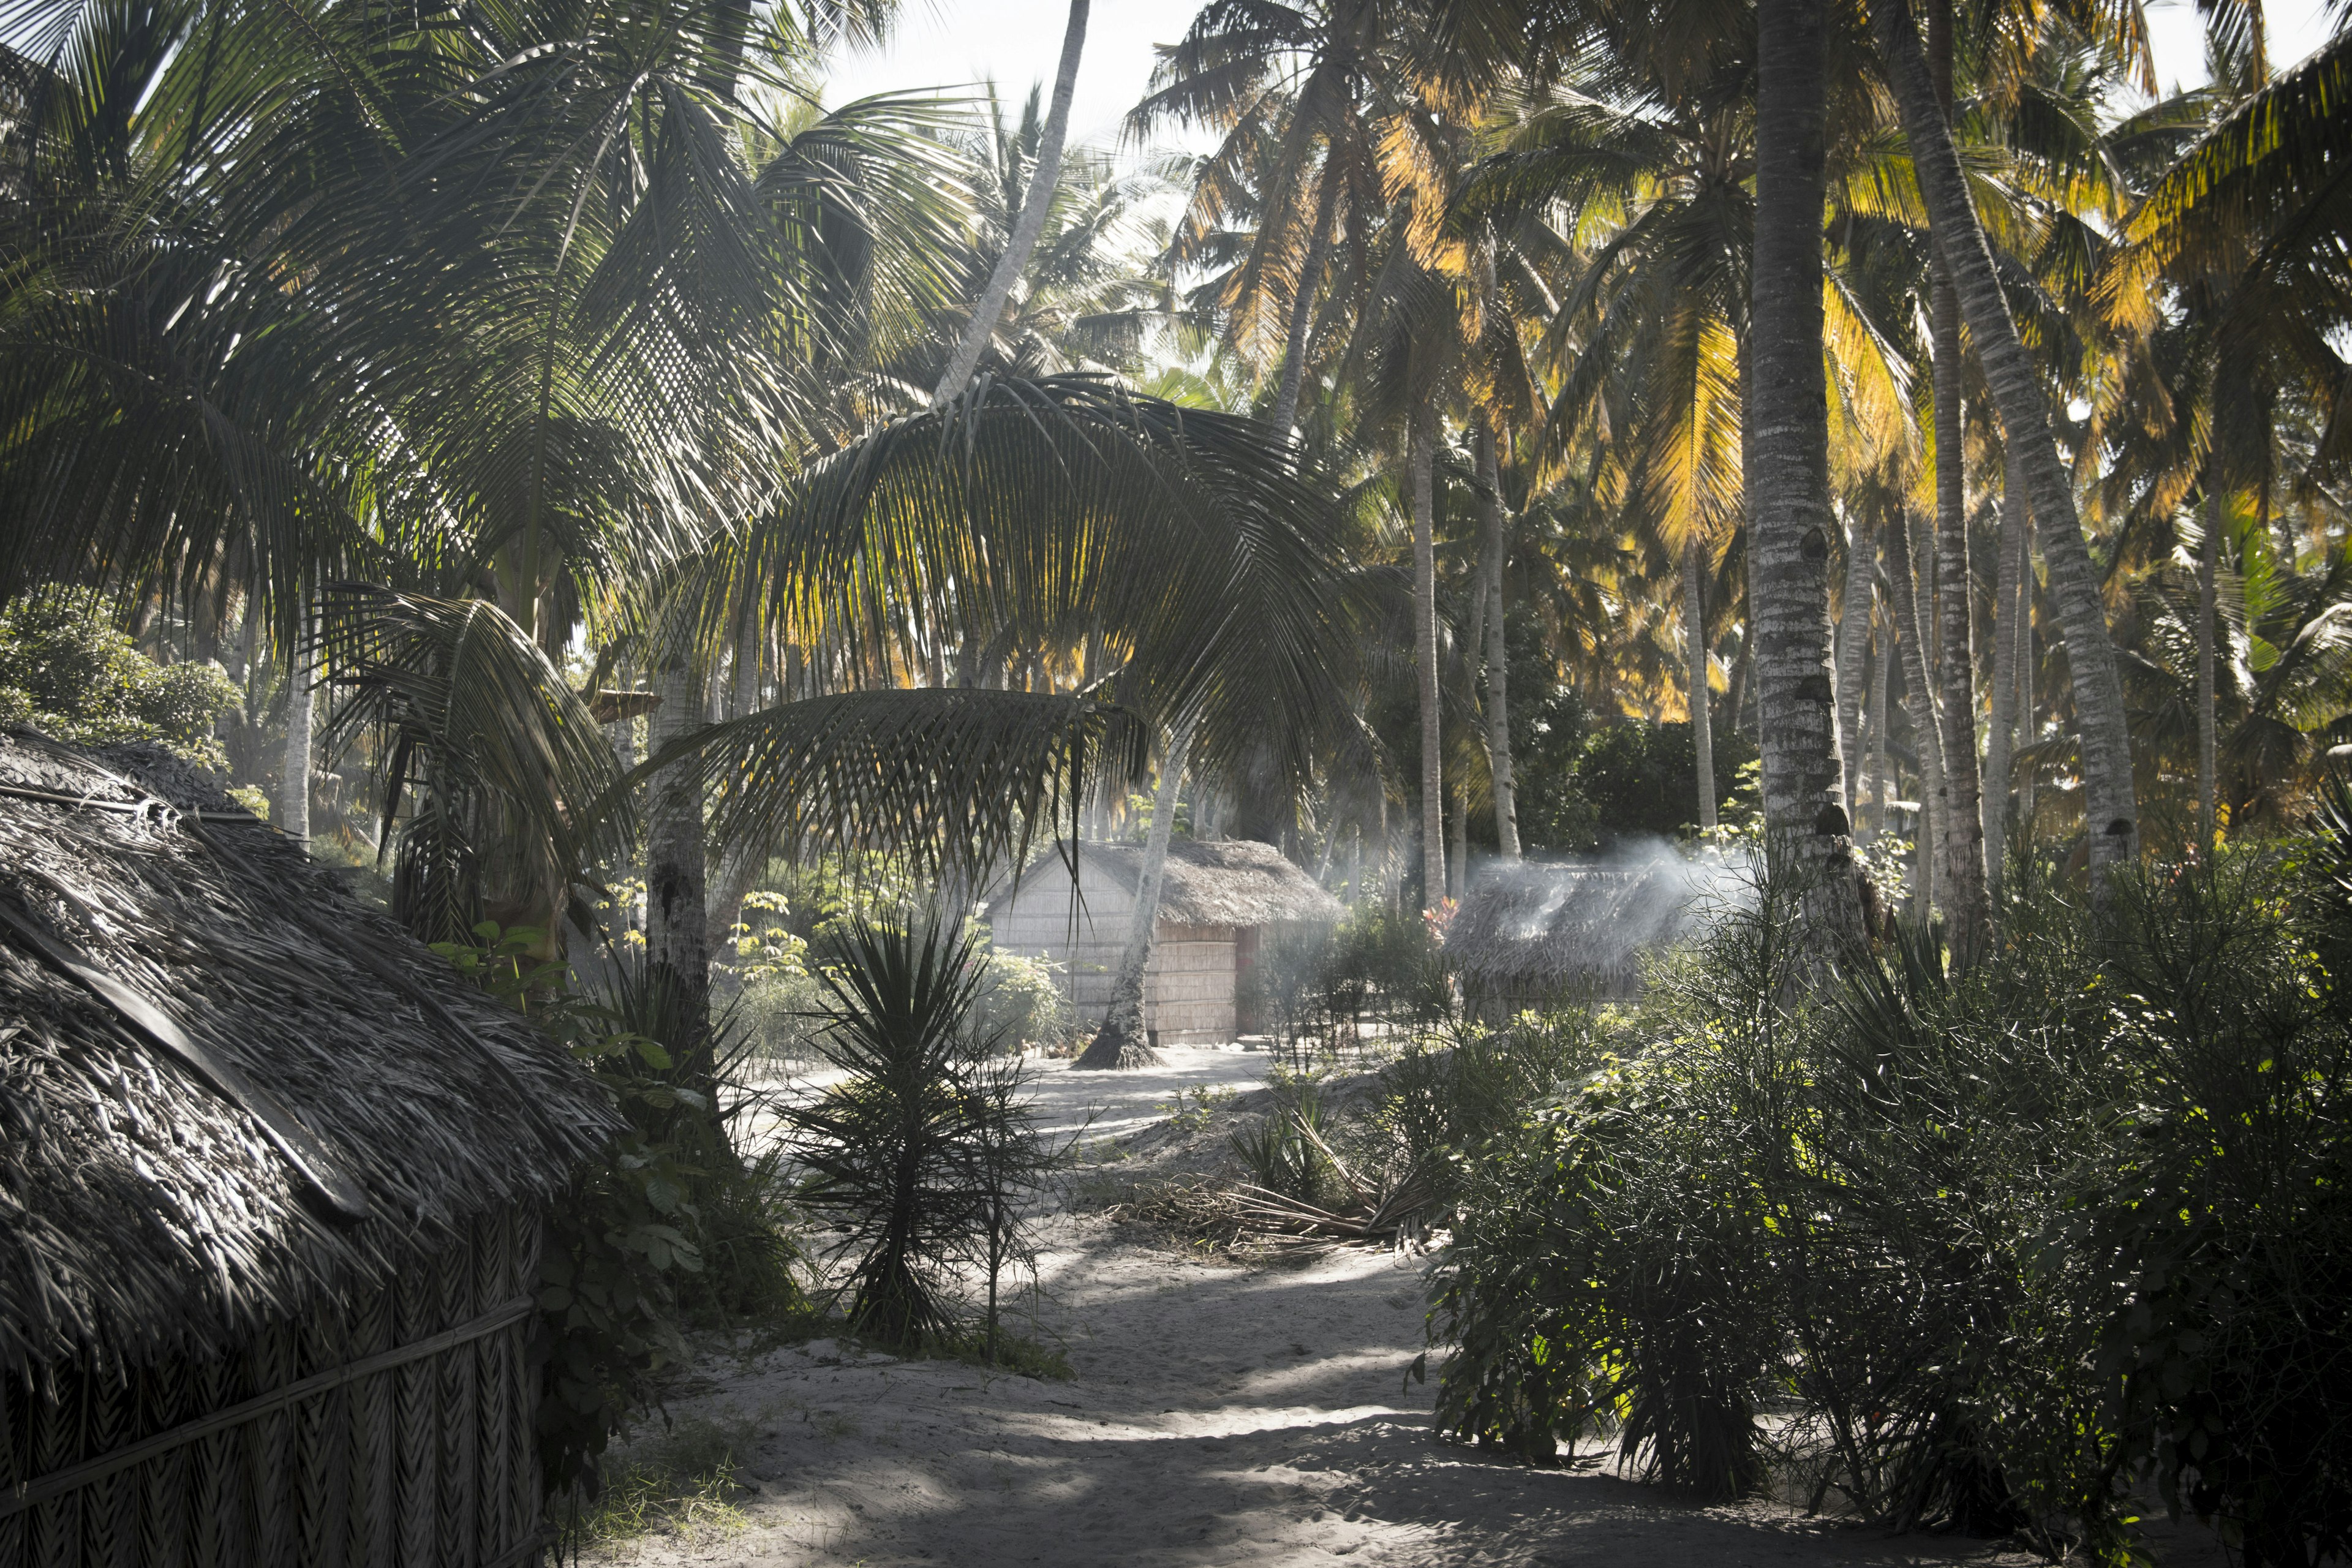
<point>2009,603</point>
<point>1694,677</point>
<point>1302,305</point>
<point>678,927</point>
<point>1031,223</point>
<point>1786,438</point>
<point>1124,1040</point>
<point>1880,765</point>
<point>1498,656</point>
<point>1919,697</point>
<point>1419,459</point>
<point>2207,759</point>
<point>294,788</point>
<point>1958,814</point>
<point>2112,815</point>
<point>1854,652</point>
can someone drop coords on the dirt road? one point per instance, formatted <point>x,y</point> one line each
<point>1220,1415</point>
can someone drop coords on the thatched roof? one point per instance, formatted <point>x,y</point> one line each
<point>1532,928</point>
<point>1213,882</point>
<point>224,1086</point>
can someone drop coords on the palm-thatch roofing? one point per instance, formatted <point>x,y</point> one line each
<point>1531,929</point>
<point>225,1087</point>
<point>1209,882</point>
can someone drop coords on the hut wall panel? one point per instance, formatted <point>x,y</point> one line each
<point>221,1532</point>
<point>493,1256</point>
<point>163,1522</point>
<point>373,1463</point>
<point>1191,971</point>
<point>269,1449</point>
<point>12,1408</point>
<point>460,1478</point>
<point>323,1450</point>
<point>329,1479</point>
<point>417,1419</point>
<point>109,1516</point>
<point>529,1236</point>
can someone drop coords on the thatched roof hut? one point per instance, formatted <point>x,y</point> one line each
<point>271,1189</point>
<point>1224,882</point>
<point>1531,936</point>
<point>1217,900</point>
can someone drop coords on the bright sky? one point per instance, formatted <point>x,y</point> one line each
<point>2296,27</point>
<point>943,43</point>
<point>952,42</point>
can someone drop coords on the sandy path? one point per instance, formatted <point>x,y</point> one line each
<point>1220,1415</point>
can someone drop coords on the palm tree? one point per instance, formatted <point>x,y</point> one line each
<point>1031,223</point>
<point>1296,91</point>
<point>2017,389</point>
<point>1786,470</point>
<point>654,296</point>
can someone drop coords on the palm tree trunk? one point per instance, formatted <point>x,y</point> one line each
<point>2028,663</point>
<point>1302,304</point>
<point>2099,717</point>
<point>740,863</point>
<point>1854,651</point>
<point>677,927</point>
<point>2009,602</point>
<point>1882,762</point>
<point>1695,676</point>
<point>1785,431</point>
<point>1959,813</point>
<point>1124,1040</point>
<point>1458,867</point>
<point>1498,656</point>
<point>2206,557</point>
<point>1424,634</point>
<point>1919,697</point>
<point>1029,224</point>
<point>294,788</point>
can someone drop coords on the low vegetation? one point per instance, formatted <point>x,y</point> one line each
<point>1985,1252</point>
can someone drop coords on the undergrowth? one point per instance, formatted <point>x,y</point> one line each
<point>1996,1247</point>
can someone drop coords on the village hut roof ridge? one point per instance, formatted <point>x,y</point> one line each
<point>145,1209</point>
<point>1208,882</point>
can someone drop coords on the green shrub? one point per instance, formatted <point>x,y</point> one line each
<point>70,673</point>
<point>1998,1244</point>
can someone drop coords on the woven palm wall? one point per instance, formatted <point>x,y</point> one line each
<point>393,1431</point>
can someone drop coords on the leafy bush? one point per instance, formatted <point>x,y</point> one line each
<point>1021,1006</point>
<point>67,671</point>
<point>1285,1151</point>
<point>1448,1097</point>
<point>1999,1244</point>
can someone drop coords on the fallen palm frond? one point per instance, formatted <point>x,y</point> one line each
<point>1389,1210</point>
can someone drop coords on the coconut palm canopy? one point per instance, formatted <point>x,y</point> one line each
<point>230,1089</point>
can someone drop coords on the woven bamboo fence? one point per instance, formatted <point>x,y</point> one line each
<point>393,1431</point>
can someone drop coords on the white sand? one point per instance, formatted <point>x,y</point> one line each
<point>1220,1415</point>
